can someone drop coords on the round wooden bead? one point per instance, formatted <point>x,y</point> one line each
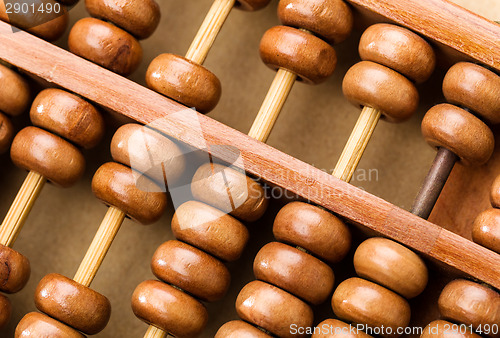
<point>272,309</point>
<point>239,329</point>
<point>5,310</point>
<point>14,92</point>
<point>457,130</point>
<point>294,271</point>
<point>470,303</point>
<point>6,133</point>
<point>184,81</point>
<point>474,87</point>
<point>210,230</point>
<point>312,59</point>
<point>444,329</point>
<point>313,229</point>
<point>72,303</point>
<point>330,19</point>
<point>333,328</point>
<point>251,5</point>
<point>69,116</point>
<point>392,265</point>
<point>140,199</point>
<point>14,270</point>
<point>373,85</point>
<point>49,155</point>
<point>169,309</point>
<point>36,324</point>
<point>486,229</point>
<point>364,302</point>
<point>106,45</point>
<point>495,193</point>
<point>138,17</point>
<point>229,190</point>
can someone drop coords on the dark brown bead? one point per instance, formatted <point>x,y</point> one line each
<point>36,324</point>
<point>14,92</point>
<point>5,311</point>
<point>495,193</point>
<point>486,229</point>
<point>251,5</point>
<point>239,329</point>
<point>6,133</point>
<point>14,270</point>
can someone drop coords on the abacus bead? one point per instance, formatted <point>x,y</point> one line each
<point>49,155</point>
<point>333,328</point>
<point>69,116</point>
<point>373,85</point>
<point>312,59</point>
<point>229,190</point>
<point>457,130</point>
<point>495,193</point>
<point>72,303</point>
<point>14,92</point>
<point>443,329</point>
<point>140,198</point>
<point>251,5</point>
<point>169,309</point>
<point>36,324</point>
<point>210,230</point>
<point>184,81</point>
<point>364,302</point>
<point>272,309</point>
<point>239,329</point>
<point>6,133</point>
<point>138,17</point>
<point>330,19</point>
<point>294,271</point>
<point>474,87</point>
<point>392,265</point>
<point>313,229</point>
<point>5,310</point>
<point>14,270</point>
<point>106,45</point>
<point>486,229</point>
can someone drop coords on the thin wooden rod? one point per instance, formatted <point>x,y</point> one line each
<point>154,332</point>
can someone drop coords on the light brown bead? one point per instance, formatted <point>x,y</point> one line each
<point>49,155</point>
<point>392,265</point>
<point>72,303</point>
<point>364,302</point>
<point>474,87</point>
<point>251,5</point>
<point>14,92</point>
<point>14,270</point>
<point>105,44</point>
<point>373,85</point>
<point>69,116</point>
<point>169,309</point>
<point>486,229</point>
<point>444,329</point>
<point>239,329</point>
<point>330,19</point>
<point>229,190</point>
<point>210,230</point>
<point>334,328</point>
<point>294,271</point>
<point>313,229</point>
<point>6,133</point>
<point>272,309</point>
<point>457,130</point>
<point>36,324</point>
<point>139,198</point>
<point>495,193</point>
<point>184,81</point>
<point>312,59</point>
<point>5,311</point>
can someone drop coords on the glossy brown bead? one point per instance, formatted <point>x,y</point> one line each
<point>14,92</point>
<point>457,130</point>
<point>272,309</point>
<point>444,329</point>
<point>138,197</point>
<point>6,133</point>
<point>229,190</point>
<point>14,270</point>
<point>72,303</point>
<point>184,81</point>
<point>210,230</point>
<point>474,87</point>
<point>169,309</point>
<point>105,44</point>
<point>251,5</point>
<point>294,271</point>
<point>312,59</point>
<point>486,229</point>
<point>331,19</point>
<point>495,193</point>
<point>36,324</point>
<point>239,329</point>
<point>313,229</point>
<point>334,328</point>
<point>49,155</point>
<point>5,311</point>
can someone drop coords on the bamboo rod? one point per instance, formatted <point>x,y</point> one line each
<point>154,332</point>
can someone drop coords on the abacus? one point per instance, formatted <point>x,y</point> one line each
<point>327,250</point>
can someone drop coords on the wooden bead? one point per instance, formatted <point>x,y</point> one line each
<point>72,303</point>
<point>470,303</point>
<point>294,271</point>
<point>474,87</point>
<point>14,92</point>
<point>312,59</point>
<point>229,190</point>
<point>251,5</point>
<point>495,193</point>
<point>5,311</point>
<point>210,230</point>
<point>105,44</point>
<point>6,133</point>
<point>36,324</point>
<point>457,130</point>
<point>373,85</point>
<point>444,329</point>
<point>138,17</point>
<point>191,269</point>
<point>69,116</point>
<point>313,229</point>
<point>239,329</point>
<point>272,309</point>
<point>333,328</point>
<point>140,199</point>
<point>392,265</point>
<point>15,270</point>
<point>486,229</point>
<point>49,155</point>
<point>184,81</point>
<point>169,309</point>
<point>330,19</point>
<point>364,302</point>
